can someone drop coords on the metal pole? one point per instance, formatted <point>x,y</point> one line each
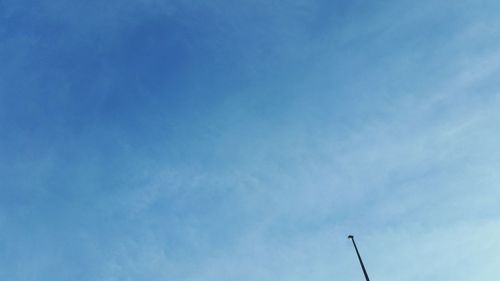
<point>359,257</point>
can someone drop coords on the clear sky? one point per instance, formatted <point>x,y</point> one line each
<point>244,140</point>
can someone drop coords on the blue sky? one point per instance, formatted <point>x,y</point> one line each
<point>243,140</point>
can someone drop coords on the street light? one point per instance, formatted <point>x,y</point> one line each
<point>359,257</point>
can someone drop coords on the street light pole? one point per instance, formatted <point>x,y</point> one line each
<point>359,257</point>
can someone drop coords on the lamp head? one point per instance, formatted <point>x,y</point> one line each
<point>350,237</point>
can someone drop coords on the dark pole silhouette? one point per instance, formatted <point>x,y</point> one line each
<point>359,257</point>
